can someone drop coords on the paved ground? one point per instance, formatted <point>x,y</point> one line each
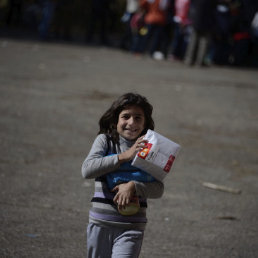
<point>51,97</point>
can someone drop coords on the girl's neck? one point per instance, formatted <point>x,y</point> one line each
<point>129,142</point>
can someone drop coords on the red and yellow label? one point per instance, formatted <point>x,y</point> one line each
<point>143,153</point>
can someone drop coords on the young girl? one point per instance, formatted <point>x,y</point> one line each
<point>122,127</point>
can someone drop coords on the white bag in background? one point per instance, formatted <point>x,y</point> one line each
<point>158,156</point>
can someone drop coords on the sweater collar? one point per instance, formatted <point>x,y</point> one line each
<point>122,140</point>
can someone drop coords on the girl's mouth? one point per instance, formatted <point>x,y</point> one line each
<point>131,130</point>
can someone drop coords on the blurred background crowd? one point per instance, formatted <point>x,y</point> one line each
<point>196,32</point>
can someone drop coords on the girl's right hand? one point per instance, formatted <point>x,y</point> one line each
<point>129,154</point>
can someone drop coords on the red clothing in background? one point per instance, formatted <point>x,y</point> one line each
<point>156,11</point>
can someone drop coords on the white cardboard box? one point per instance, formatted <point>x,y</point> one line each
<point>158,156</point>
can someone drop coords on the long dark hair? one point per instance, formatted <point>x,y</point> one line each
<point>108,122</point>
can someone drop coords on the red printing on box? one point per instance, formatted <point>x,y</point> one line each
<point>169,163</point>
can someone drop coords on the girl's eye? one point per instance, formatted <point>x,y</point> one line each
<point>125,117</point>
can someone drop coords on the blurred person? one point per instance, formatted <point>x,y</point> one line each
<point>32,14</point>
<point>155,19</point>
<point>138,28</point>
<point>132,7</point>
<point>254,46</point>
<point>15,12</point>
<point>111,232</point>
<point>64,19</point>
<point>242,13</point>
<point>221,40</point>
<point>231,42</point>
<point>48,10</point>
<point>100,14</point>
<point>181,29</point>
<point>202,27</point>
<point>254,26</point>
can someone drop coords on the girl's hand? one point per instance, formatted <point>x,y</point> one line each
<point>129,154</point>
<point>125,193</point>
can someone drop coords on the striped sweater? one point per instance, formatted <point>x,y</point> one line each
<point>96,166</point>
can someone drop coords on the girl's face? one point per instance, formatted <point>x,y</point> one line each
<point>131,122</point>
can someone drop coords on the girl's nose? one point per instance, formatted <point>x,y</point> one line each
<point>131,121</point>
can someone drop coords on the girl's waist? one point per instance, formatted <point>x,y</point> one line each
<point>107,197</point>
<point>112,216</point>
<point>126,226</point>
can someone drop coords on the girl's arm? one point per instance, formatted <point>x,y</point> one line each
<point>97,163</point>
<point>126,191</point>
<point>144,190</point>
<point>131,152</point>
<point>151,190</point>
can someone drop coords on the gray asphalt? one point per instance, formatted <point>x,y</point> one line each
<point>51,97</point>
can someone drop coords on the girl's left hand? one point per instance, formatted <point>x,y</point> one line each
<point>125,193</point>
<point>130,153</point>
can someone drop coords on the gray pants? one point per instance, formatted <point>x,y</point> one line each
<point>196,49</point>
<point>107,242</point>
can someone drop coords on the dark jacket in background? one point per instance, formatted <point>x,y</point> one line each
<point>203,15</point>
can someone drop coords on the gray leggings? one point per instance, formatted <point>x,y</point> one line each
<point>107,242</point>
